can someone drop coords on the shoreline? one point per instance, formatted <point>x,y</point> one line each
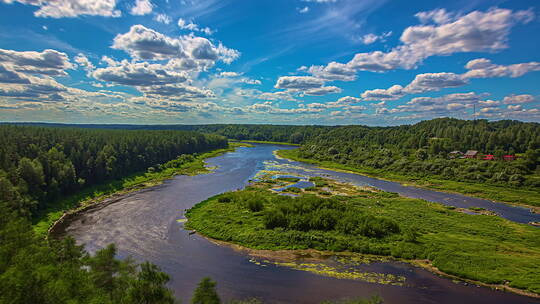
<point>59,224</point>
<point>318,255</point>
<point>532,209</point>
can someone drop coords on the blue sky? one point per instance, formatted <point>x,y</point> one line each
<point>280,61</point>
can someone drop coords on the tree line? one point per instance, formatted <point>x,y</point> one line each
<point>423,149</point>
<point>40,164</point>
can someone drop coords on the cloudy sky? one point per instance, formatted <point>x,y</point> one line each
<point>371,62</point>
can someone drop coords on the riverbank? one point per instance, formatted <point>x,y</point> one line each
<point>518,197</point>
<point>285,257</point>
<point>266,142</point>
<point>483,249</point>
<point>68,205</point>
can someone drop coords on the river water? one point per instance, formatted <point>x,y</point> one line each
<point>144,225</point>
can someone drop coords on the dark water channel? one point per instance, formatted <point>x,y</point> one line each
<point>144,225</point>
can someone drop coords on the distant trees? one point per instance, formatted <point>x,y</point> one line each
<point>37,164</point>
<point>421,150</point>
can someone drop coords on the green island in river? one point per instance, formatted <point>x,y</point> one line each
<point>354,223</point>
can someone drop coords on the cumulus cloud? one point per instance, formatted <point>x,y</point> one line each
<point>392,93</point>
<point>323,91</point>
<point>71,8</point>
<point>372,38</point>
<point>422,83</point>
<point>147,44</point>
<point>163,18</point>
<point>189,25</point>
<point>48,62</point>
<point>281,95</point>
<point>84,62</point>
<point>139,74</point>
<point>443,33</point>
<point>301,83</point>
<point>332,71</point>
<point>519,99</point>
<point>484,68</point>
<point>434,82</point>
<point>141,7</point>
<point>177,92</point>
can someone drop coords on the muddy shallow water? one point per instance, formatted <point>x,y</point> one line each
<point>144,225</point>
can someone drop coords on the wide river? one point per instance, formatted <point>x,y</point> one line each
<point>144,225</point>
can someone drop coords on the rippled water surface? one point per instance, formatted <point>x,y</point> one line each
<point>144,225</point>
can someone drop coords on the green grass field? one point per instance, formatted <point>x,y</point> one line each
<point>485,190</point>
<point>483,248</point>
<point>89,195</point>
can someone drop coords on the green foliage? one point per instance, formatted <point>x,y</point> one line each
<point>40,165</point>
<point>206,293</point>
<point>421,150</point>
<point>486,248</point>
<point>33,270</point>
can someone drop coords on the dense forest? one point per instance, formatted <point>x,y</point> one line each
<point>423,150</point>
<point>419,150</point>
<point>38,165</point>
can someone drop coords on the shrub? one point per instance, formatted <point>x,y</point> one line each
<point>255,205</point>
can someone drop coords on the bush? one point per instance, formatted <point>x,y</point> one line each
<point>255,205</point>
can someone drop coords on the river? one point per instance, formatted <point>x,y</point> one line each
<point>144,225</point>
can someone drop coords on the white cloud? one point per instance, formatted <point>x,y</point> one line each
<point>372,38</point>
<point>298,82</point>
<point>274,96</point>
<point>49,62</point>
<point>519,99</point>
<point>139,74</point>
<point>144,43</point>
<point>322,91</point>
<point>163,18</point>
<point>189,25</point>
<point>142,7</point>
<point>484,68</point>
<point>71,8</point>
<point>474,32</point>
<point>434,81</point>
<point>332,71</point>
<point>303,10</point>
<point>83,61</point>
<point>229,74</point>
<point>392,93</point>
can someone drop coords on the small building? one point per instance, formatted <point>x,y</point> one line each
<point>489,157</point>
<point>471,154</point>
<point>509,157</point>
<point>455,154</point>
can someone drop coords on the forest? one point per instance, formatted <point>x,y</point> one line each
<point>38,165</point>
<point>422,150</point>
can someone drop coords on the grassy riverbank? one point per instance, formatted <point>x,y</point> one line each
<point>484,190</point>
<point>97,193</point>
<point>269,142</point>
<point>482,248</point>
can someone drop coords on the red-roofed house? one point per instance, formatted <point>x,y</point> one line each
<point>509,157</point>
<point>489,157</point>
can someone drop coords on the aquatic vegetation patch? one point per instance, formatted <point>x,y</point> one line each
<point>337,271</point>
